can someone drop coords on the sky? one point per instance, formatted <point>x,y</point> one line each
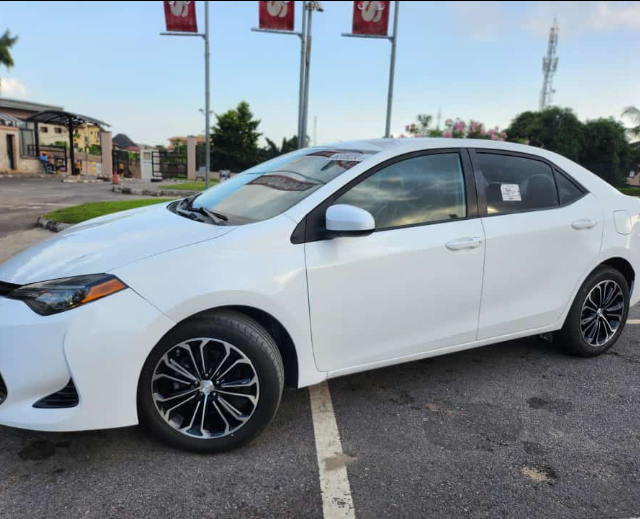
<point>473,60</point>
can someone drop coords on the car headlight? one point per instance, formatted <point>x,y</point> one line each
<point>60,295</point>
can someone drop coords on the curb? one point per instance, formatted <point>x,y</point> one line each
<point>51,225</point>
<point>25,175</point>
<point>126,190</point>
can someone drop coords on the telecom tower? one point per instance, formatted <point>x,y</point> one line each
<point>549,67</point>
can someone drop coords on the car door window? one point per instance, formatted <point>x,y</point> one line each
<point>414,191</point>
<point>515,184</point>
<point>567,190</point>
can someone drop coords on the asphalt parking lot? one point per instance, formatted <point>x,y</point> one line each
<point>22,201</point>
<point>517,429</point>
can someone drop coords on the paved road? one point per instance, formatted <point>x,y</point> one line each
<point>512,430</point>
<point>22,201</point>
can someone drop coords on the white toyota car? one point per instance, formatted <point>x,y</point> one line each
<point>189,317</point>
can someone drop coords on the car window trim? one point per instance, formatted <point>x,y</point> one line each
<point>311,227</point>
<point>481,191</point>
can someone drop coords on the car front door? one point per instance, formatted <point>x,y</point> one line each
<point>412,285</point>
<point>542,232</point>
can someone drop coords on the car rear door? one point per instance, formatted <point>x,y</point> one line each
<point>542,232</point>
<point>412,285</point>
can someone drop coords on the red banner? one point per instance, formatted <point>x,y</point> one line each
<point>371,18</point>
<point>180,16</point>
<point>277,15</point>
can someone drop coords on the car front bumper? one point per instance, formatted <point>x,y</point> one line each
<point>101,346</point>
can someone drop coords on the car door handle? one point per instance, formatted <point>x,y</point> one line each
<point>586,223</point>
<point>464,243</point>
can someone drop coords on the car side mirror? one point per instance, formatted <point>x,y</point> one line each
<point>348,220</point>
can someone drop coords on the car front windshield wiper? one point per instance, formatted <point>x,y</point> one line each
<point>212,215</point>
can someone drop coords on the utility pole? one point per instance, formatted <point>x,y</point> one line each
<point>549,67</point>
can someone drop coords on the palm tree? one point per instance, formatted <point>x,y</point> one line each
<point>633,113</point>
<point>6,42</point>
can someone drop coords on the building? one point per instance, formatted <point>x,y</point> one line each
<point>48,133</point>
<point>182,141</point>
<point>19,142</point>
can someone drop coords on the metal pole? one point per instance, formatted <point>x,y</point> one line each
<point>207,140</point>
<point>392,69</point>
<point>303,47</point>
<point>305,108</point>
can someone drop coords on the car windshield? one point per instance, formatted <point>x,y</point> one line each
<point>272,187</point>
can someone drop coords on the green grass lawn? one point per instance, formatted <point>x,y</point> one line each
<point>631,191</point>
<point>188,186</point>
<point>83,212</point>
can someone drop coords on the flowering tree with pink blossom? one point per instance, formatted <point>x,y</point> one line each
<point>454,129</point>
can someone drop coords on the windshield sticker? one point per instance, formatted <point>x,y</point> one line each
<point>510,192</point>
<point>348,157</point>
<point>282,183</point>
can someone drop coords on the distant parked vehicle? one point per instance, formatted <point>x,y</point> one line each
<point>190,317</point>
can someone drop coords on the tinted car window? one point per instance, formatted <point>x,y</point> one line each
<point>429,188</point>
<point>514,184</point>
<point>567,190</point>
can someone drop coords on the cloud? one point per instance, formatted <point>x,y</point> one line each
<point>580,17</point>
<point>615,15</point>
<point>483,21</point>
<point>11,87</point>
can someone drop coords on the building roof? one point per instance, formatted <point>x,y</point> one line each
<point>123,141</point>
<point>27,106</point>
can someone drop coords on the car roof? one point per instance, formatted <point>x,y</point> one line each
<point>409,144</point>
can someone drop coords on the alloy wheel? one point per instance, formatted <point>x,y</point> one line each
<point>205,388</point>
<point>601,313</point>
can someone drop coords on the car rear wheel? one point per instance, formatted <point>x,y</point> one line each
<point>598,314</point>
<point>211,384</point>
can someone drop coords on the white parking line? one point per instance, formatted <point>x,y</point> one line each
<point>334,482</point>
<point>633,321</point>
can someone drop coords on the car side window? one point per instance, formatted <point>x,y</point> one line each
<point>515,184</point>
<point>418,190</point>
<point>567,190</point>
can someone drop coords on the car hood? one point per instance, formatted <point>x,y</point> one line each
<point>108,242</point>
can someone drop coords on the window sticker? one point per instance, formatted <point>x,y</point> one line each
<point>510,192</point>
<point>348,157</point>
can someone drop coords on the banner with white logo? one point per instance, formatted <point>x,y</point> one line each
<point>371,18</point>
<point>277,15</point>
<point>180,16</point>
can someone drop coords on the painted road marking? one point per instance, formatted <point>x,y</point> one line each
<point>633,321</point>
<point>337,502</point>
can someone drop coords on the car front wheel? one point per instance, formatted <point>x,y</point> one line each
<point>211,384</point>
<point>598,314</point>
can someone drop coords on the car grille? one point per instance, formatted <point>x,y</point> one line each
<point>66,397</point>
<point>7,288</point>
<point>3,390</point>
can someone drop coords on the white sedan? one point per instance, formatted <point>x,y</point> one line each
<point>190,317</point>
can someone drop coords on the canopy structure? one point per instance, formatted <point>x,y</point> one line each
<point>4,118</point>
<point>69,120</point>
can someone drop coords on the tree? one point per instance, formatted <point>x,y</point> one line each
<point>272,150</point>
<point>606,151</point>
<point>6,42</point>
<point>235,139</point>
<point>555,129</point>
<point>633,113</point>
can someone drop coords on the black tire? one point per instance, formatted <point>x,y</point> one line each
<point>247,337</point>
<point>572,337</point>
